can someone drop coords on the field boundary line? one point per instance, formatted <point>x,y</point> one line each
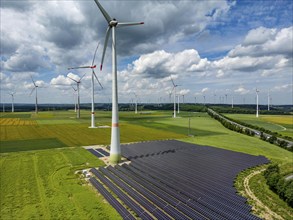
<point>254,198</point>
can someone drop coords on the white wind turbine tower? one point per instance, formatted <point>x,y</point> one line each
<point>178,97</point>
<point>174,89</point>
<point>75,102</point>
<point>257,91</point>
<point>12,101</point>
<point>93,86</point>
<point>269,100</point>
<point>115,151</point>
<point>78,97</point>
<point>36,89</point>
<point>170,94</point>
<point>135,102</point>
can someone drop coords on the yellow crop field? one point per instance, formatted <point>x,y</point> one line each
<point>16,121</point>
<point>288,120</point>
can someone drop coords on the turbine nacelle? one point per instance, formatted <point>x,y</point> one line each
<point>113,23</point>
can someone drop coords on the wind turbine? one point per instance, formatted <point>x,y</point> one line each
<point>174,88</point>
<point>135,102</point>
<point>170,94</point>
<point>93,88</point>
<point>232,101</point>
<point>257,91</point>
<point>75,102</point>
<point>115,151</point>
<point>204,99</point>
<point>12,101</point>
<point>36,89</point>
<point>78,97</point>
<point>178,97</point>
<point>269,100</point>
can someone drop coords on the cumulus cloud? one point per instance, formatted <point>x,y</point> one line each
<point>160,64</point>
<point>241,90</point>
<point>265,42</point>
<point>205,90</point>
<point>184,92</point>
<point>285,87</point>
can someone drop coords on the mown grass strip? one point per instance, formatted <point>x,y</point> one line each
<point>33,144</point>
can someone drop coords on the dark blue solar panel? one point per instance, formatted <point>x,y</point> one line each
<point>97,154</point>
<point>103,152</point>
<point>180,180</point>
<point>120,208</point>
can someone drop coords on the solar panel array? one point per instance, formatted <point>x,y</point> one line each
<point>176,180</point>
<point>98,152</point>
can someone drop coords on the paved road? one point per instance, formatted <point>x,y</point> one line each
<point>256,132</point>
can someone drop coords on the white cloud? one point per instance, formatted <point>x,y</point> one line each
<point>285,88</point>
<point>205,90</point>
<point>241,90</point>
<point>266,42</point>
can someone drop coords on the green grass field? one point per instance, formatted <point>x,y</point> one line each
<point>42,184</point>
<point>282,124</point>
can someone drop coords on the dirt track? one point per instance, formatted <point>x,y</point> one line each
<point>268,213</point>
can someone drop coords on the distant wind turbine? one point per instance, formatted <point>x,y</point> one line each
<point>36,89</point>
<point>115,151</point>
<point>12,101</point>
<point>93,86</point>
<point>78,97</point>
<point>170,94</point>
<point>174,90</point>
<point>178,97</point>
<point>135,103</point>
<point>269,100</point>
<point>257,91</point>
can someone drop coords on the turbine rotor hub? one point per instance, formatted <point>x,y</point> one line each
<point>113,23</point>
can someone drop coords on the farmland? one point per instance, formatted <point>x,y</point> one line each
<point>41,183</point>
<point>282,124</point>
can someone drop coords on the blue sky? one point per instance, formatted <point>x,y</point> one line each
<point>211,48</point>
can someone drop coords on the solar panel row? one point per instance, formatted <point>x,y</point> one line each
<point>125,198</point>
<point>120,208</point>
<point>176,180</point>
<point>99,152</point>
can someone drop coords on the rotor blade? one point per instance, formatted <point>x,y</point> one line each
<point>106,15</point>
<point>33,81</point>
<point>173,82</point>
<point>81,77</point>
<point>32,91</point>
<point>129,24</point>
<point>105,46</point>
<point>95,54</point>
<point>72,79</point>
<point>74,88</point>
<point>97,79</point>
<point>79,67</point>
